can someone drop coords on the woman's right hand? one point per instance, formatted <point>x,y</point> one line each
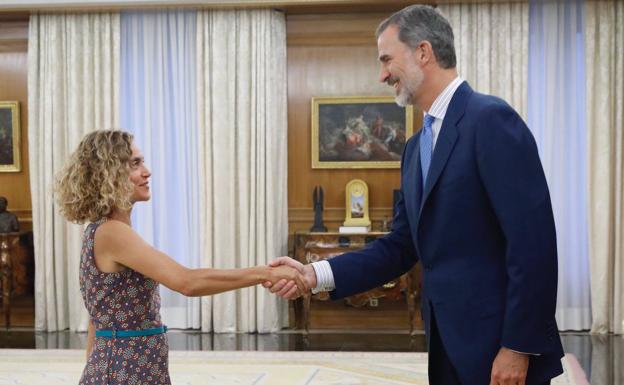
<point>284,272</point>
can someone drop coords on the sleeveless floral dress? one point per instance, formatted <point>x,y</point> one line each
<point>126,300</point>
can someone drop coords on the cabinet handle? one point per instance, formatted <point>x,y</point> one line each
<point>344,241</point>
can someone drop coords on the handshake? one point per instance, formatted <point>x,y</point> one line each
<point>289,278</point>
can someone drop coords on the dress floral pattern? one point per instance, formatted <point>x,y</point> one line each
<point>122,301</point>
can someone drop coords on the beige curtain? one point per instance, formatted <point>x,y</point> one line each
<point>242,127</point>
<point>73,77</point>
<point>604,40</point>
<point>492,44</point>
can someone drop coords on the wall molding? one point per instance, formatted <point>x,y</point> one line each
<point>23,215</point>
<point>356,5</point>
<point>83,4</point>
<point>14,36</point>
<point>302,218</point>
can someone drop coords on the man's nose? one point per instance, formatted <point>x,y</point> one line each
<point>383,75</point>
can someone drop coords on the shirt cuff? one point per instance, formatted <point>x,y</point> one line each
<point>324,277</point>
<point>528,354</point>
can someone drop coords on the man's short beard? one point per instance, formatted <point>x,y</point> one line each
<point>404,98</point>
<point>409,89</point>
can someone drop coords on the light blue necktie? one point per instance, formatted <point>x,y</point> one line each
<point>426,146</point>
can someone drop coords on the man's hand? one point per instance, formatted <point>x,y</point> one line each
<point>288,289</point>
<point>509,368</point>
<point>286,273</point>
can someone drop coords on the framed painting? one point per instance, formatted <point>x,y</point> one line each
<point>359,132</point>
<point>9,137</point>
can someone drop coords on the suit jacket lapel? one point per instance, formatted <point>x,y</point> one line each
<point>418,187</point>
<point>446,139</point>
<point>413,190</point>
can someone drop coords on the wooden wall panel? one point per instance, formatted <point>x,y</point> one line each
<point>328,55</point>
<point>15,186</point>
<point>331,55</point>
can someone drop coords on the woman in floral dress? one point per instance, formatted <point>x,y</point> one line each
<point>120,272</point>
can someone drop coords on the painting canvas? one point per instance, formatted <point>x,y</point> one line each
<point>9,137</point>
<point>357,206</point>
<point>359,132</point>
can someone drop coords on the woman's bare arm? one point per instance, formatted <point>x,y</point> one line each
<point>116,241</point>
<point>90,338</point>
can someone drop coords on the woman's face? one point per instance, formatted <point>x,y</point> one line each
<point>139,176</point>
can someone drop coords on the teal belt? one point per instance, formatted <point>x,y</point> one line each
<point>130,333</point>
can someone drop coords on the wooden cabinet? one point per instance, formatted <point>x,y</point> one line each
<point>312,247</point>
<point>7,243</point>
<point>16,270</point>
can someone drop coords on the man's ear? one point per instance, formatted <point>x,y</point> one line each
<point>424,52</point>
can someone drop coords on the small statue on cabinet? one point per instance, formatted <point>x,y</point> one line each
<point>8,221</point>
<point>317,200</point>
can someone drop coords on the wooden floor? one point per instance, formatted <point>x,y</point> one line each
<point>600,356</point>
<point>323,315</point>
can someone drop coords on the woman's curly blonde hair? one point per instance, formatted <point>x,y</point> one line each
<point>95,179</point>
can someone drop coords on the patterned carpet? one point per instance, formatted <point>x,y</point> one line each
<point>52,367</point>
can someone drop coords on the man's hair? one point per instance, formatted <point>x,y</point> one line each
<point>417,23</point>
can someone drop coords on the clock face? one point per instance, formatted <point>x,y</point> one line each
<point>357,190</point>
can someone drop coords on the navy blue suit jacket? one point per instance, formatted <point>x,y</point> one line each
<point>483,229</point>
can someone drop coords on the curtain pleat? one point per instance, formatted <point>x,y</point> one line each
<point>241,89</point>
<point>604,46</point>
<point>73,77</point>
<point>159,106</point>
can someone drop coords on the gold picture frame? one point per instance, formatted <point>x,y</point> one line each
<point>10,160</point>
<point>359,132</point>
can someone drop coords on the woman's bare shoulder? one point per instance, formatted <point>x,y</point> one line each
<point>114,234</point>
<point>112,238</point>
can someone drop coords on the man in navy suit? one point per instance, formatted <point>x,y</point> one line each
<point>474,209</point>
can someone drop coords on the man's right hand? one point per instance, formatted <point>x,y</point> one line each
<point>288,289</point>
